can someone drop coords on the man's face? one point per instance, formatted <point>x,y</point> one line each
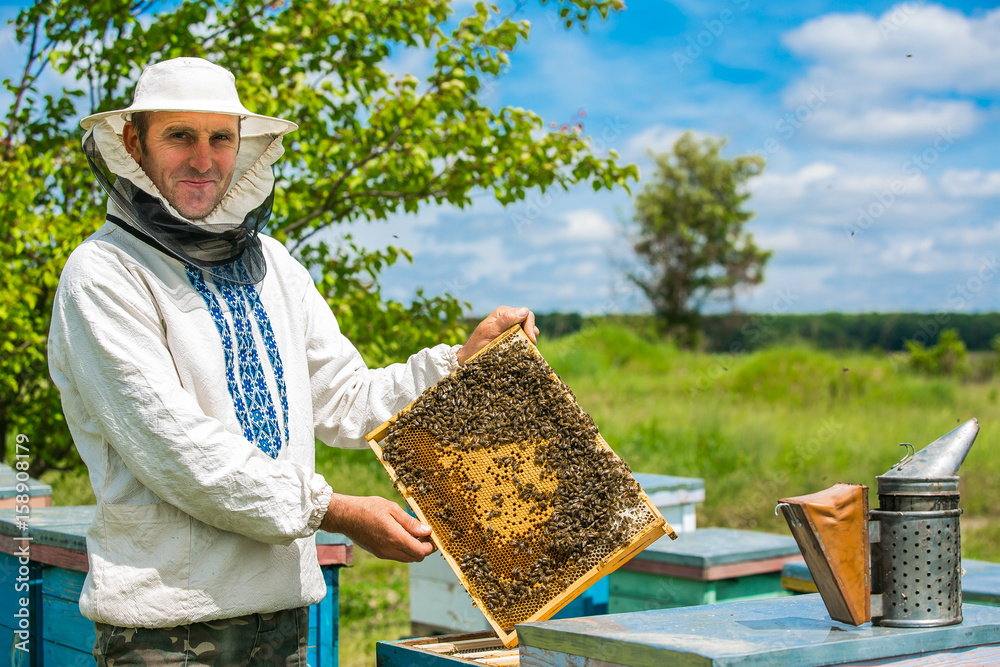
<point>190,157</point>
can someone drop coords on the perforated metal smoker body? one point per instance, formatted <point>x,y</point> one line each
<point>917,562</point>
<point>509,515</point>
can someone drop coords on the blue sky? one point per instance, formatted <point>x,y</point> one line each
<point>880,123</point>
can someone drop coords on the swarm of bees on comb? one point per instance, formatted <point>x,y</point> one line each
<point>524,495</point>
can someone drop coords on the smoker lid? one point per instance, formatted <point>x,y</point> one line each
<point>941,458</point>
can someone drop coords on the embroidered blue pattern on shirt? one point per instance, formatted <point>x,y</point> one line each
<point>197,279</point>
<point>267,335</point>
<point>251,398</point>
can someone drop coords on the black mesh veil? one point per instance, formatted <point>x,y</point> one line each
<point>212,248</point>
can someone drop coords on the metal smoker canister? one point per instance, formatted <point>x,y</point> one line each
<point>916,555</point>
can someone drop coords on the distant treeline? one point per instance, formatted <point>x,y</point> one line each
<point>738,332</point>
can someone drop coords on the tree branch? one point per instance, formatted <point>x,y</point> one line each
<point>26,79</point>
<point>330,198</point>
<point>394,194</point>
<point>207,42</point>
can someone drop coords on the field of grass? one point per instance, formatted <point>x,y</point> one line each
<point>757,427</point>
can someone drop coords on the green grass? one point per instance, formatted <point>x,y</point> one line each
<point>757,427</point>
<point>774,423</point>
<point>374,594</point>
<point>374,606</point>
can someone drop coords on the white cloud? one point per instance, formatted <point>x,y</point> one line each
<point>410,60</point>
<point>796,184</point>
<point>783,240</point>
<point>484,259</point>
<point>789,288</point>
<point>587,270</point>
<point>905,74</point>
<point>976,237</point>
<point>883,124</point>
<point>971,183</point>
<point>818,194</point>
<point>462,267</point>
<point>911,254</point>
<point>912,46</point>
<point>588,225</point>
<point>656,138</point>
<point>824,191</point>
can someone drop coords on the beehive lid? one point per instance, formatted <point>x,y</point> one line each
<point>529,505</point>
<point>64,527</point>
<point>671,491</point>
<point>9,485</point>
<point>710,547</point>
<point>778,631</point>
<point>654,483</point>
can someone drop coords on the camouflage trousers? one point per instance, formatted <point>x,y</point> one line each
<point>256,640</point>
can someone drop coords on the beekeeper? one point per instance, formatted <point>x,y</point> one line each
<point>197,364</point>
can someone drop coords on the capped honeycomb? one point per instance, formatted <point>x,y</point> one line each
<point>528,504</point>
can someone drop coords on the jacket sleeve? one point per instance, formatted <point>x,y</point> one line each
<point>109,357</point>
<point>350,399</point>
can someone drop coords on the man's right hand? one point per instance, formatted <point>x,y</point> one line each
<point>378,526</point>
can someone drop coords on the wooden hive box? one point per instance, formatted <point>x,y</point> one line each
<point>16,484</point>
<point>478,648</point>
<point>60,635</point>
<point>707,566</point>
<point>529,505</point>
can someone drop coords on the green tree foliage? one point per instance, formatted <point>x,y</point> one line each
<point>370,144</point>
<point>390,330</point>
<point>691,235</point>
<point>947,357</point>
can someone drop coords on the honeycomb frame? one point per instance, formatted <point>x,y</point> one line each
<point>492,500</point>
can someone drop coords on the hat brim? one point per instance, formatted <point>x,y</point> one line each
<point>252,124</point>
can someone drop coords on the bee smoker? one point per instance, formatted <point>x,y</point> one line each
<point>916,540</point>
<point>913,578</point>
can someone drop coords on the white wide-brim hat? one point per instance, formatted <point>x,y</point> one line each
<point>191,84</point>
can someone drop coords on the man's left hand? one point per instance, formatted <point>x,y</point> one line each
<point>495,324</point>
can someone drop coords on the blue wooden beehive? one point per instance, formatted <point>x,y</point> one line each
<point>706,566</point>
<point>474,648</point>
<point>60,636</point>
<point>980,581</point>
<point>783,631</point>
<point>40,495</point>
<point>757,633</point>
